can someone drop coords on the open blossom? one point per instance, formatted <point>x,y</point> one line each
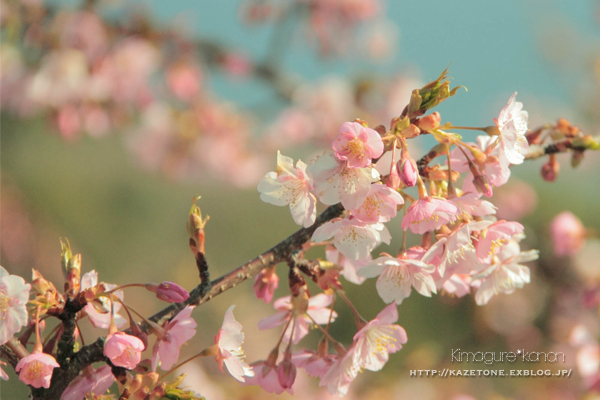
<point>397,276</point>
<point>471,205</point>
<point>354,239</point>
<point>123,350</point>
<point>568,234</point>
<point>350,267</point>
<point>14,294</point>
<point>229,342</point>
<point>102,320</point>
<point>291,186</point>
<point>505,274</point>
<point>429,213</point>
<point>267,378</point>
<point>512,124</point>
<point>357,145</point>
<point>380,337</point>
<point>496,172</point>
<point>177,331</point>
<point>265,283</point>
<point>36,369</point>
<point>380,205</point>
<point>493,237</point>
<point>341,373</point>
<point>97,381</point>
<point>317,311</point>
<point>336,182</point>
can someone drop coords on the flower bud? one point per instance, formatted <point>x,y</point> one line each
<point>566,128</point>
<point>171,292</point>
<point>480,181</point>
<point>430,121</point>
<point>286,373</point>
<point>576,158</point>
<point>195,228</point>
<point>550,169</point>
<point>407,169</point>
<point>265,283</point>
<point>393,180</point>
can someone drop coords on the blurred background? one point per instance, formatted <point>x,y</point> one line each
<point>115,114</point>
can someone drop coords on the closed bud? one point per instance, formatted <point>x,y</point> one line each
<point>429,122</point>
<point>286,373</point>
<point>407,169</point>
<point>550,169</point>
<point>566,128</point>
<point>195,228</point>
<point>483,185</point>
<point>39,283</point>
<point>415,102</point>
<point>577,157</point>
<point>171,292</point>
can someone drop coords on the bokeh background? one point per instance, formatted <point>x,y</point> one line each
<point>271,75</point>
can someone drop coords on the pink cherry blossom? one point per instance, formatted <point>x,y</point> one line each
<point>512,124</point>
<point>36,369</point>
<point>354,239</point>
<point>505,274</point>
<point>471,205</point>
<point>376,340</point>
<point>317,311</point>
<point>350,267</point>
<point>97,381</point>
<point>380,205</point>
<point>458,285</point>
<point>341,373</point>
<point>14,294</point>
<point>177,331</point>
<point>568,234</point>
<point>265,283</point>
<point>266,377</point>
<point>335,182</point>
<point>315,364</point>
<point>398,275</point>
<point>357,144</point>
<point>123,350</point>
<point>496,172</point>
<point>102,320</point>
<point>229,341</point>
<point>291,186</point>
<point>493,237</point>
<point>429,213</point>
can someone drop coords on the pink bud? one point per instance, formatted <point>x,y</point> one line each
<point>483,185</point>
<point>430,121</point>
<point>286,373</point>
<point>171,292</point>
<point>265,283</point>
<point>123,350</point>
<point>407,169</point>
<point>568,234</point>
<point>550,169</point>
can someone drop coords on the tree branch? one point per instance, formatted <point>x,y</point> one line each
<point>200,295</point>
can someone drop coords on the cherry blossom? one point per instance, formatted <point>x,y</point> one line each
<point>568,234</point>
<point>229,342</point>
<point>341,373</point>
<point>123,350</point>
<point>505,274</point>
<point>96,381</point>
<point>98,319</point>
<point>493,237</point>
<point>265,283</point>
<point>512,124</point>
<point>380,205</point>
<point>177,331</point>
<point>357,144</point>
<point>429,213</point>
<point>317,311</point>
<point>471,205</point>
<point>353,238</point>
<point>266,377</point>
<point>335,182</point>
<point>376,340</point>
<point>14,294</point>
<point>291,186</point>
<point>36,369</point>
<point>350,267</point>
<point>398,275</point>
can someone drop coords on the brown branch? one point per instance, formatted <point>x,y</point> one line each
<point>12,351</point>
<point>200,295</point>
